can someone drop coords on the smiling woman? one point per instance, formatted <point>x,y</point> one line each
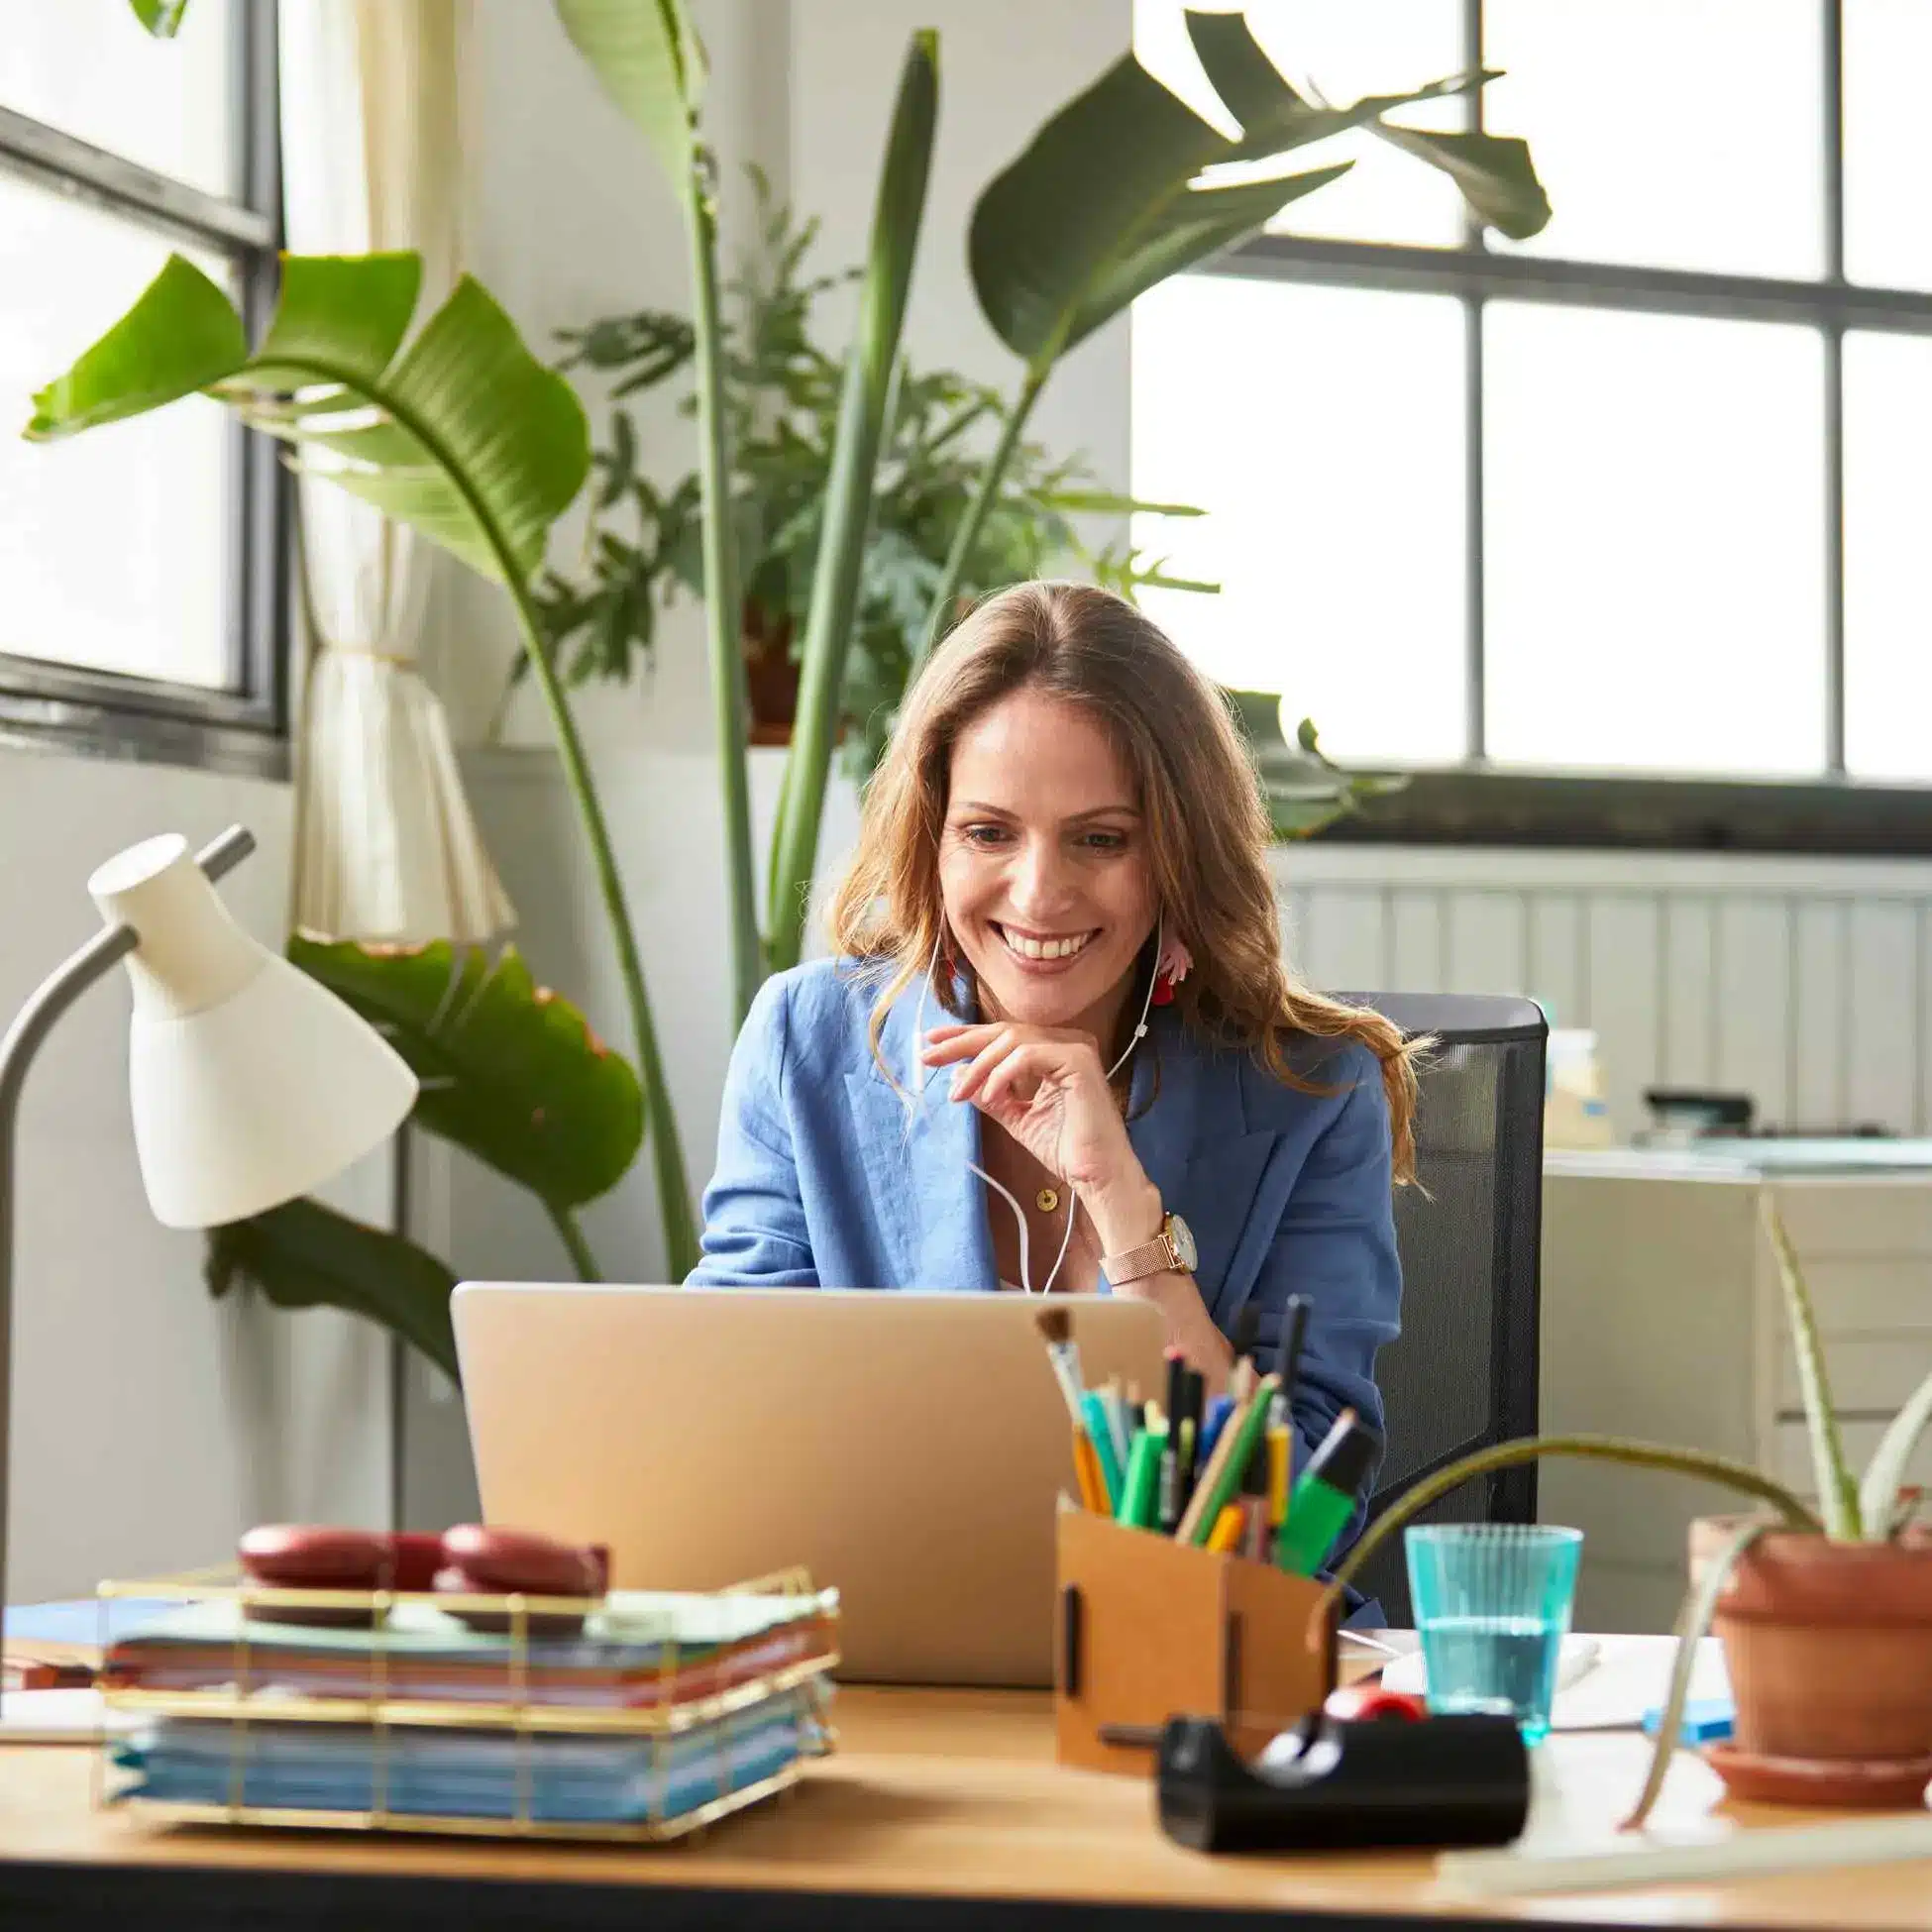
<point>1065,850</point>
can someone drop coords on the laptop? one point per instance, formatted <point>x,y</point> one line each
<point>907,1447</point>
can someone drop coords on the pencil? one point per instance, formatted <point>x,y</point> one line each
<point>1086,1466</point>
<point>1227,1530</point>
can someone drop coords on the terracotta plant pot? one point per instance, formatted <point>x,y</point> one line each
<point>772,686</point>
<point>1828,1644</point>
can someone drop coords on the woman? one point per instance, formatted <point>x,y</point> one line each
<point>1066,844</point>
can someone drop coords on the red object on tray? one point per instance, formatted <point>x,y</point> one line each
<point>471,1560</point>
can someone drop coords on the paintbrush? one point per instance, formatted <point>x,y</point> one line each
<point>1056,1331</point>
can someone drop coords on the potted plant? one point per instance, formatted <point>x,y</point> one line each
<point>641,547</point>
<point>1825,1614</point>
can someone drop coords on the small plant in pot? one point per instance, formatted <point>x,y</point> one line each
<point>1824,1614</point>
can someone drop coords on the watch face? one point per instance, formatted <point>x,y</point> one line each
<point>1182,1238</point>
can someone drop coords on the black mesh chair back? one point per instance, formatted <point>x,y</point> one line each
<point>1462,1374</point>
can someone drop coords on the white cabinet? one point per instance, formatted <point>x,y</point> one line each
<point>1662,1319</point>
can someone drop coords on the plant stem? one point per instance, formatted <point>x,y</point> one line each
<point>681,1248</point>
<point>572,1235</point>
<point>681,1245</point>
<point>866,401</point>
<point>970,525</point>
<point>729,702</point>
<point>1603,1449</point>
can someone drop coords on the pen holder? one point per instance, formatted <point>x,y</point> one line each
<point>1150,1629</point>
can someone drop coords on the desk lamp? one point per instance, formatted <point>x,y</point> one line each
<point>248,1083</point>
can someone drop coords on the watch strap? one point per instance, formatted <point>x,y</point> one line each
<point>1150,1257</point>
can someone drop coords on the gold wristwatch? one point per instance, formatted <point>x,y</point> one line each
<point>1171,1251</point>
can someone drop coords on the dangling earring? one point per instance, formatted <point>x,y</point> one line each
<point>1170,970</point>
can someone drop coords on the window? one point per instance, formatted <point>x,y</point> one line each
<point>142,563</point>
<point>1614,535</point>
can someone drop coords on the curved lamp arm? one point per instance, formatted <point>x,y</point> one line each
<point>31,1024</point>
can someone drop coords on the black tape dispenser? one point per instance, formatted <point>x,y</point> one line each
<point>1385,1777</point>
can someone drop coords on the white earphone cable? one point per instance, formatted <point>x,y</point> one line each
<point>1073,1203</point>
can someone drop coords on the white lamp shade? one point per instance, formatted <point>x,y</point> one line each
<point>250,1083</point>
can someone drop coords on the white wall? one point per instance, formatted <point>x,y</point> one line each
<point>150,1425</point>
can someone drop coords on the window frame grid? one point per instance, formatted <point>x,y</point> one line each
<point>1477,801</point>
<point>243,727</point>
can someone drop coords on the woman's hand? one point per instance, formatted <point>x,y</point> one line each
<point>1045,1086</point>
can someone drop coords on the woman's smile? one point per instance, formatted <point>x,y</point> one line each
<point>1042,951</point>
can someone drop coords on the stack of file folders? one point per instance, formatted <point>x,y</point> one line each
<point>665,1711</point>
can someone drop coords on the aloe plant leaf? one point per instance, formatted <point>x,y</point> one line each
<point>162,18</point>
<point>1885,1474</point>
<point>864,406</point>
<point>647,57</point>
<point>1838,1497</point>
<point>1739,1477</point>
<point>1694,1622</point>
<point>303,1254</point>
<point>510,1071</point>
<point>463,434</point>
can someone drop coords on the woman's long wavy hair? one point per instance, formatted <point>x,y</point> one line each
<point>1206,826</point>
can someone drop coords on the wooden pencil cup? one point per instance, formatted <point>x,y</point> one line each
<point>1150,1629</point>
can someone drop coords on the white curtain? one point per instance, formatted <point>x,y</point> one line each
<point>386,846</point>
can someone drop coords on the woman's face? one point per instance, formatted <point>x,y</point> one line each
<point>1043,862</point>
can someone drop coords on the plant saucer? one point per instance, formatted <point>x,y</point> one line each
<point>1868,1784</point>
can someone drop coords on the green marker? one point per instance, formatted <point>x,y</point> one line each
<point>1326,1493</point>
<point>1137,1509</point>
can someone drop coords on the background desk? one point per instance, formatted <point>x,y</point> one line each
<point>941,1810</point>
<point>1662,1318</point>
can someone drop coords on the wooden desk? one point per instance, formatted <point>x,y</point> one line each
<point>942,1809</point>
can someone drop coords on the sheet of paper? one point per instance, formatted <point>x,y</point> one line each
<point>59,1717</point>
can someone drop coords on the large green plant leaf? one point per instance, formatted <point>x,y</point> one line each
<point>1879,1507</point>
<point>509,1071</point>
<point>1108,197</point>
<point>1494,172</point>
<point>649,60</point>
<point>305,1256</point>
<point>463,434</point>
<point>865,401</point>
<point>1838,1496</point>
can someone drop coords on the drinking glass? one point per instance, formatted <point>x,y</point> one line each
<point>1493,1605</point>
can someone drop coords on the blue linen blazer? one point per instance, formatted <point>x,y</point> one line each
<point>828,1176</point>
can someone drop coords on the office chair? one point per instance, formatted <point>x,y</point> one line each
<point>1462,1374</point>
